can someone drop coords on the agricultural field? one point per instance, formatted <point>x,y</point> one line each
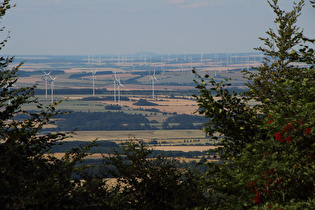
<point>170,96</point>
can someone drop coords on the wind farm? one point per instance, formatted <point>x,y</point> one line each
<point>136,71</point>
<point>124,79</point>
<point>158,87</point>
<point>172,73</point>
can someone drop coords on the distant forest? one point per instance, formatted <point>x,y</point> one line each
<point>84,121</point>
<point>84,74</point>
<point>31,73</point>
<point>88,121</point>
<point>184,121</point>
<point>88,91</point>
<point>107,147</point>
<point>104,98</point>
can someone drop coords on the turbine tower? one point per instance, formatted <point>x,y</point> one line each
<point>46,78</point>
<point>247,63</point>
<point>119,85</point>
<point>9,86</point>
<point>52,88</point>
<point>153,78</point>
<point>93,73</point>
<point>115,80</point>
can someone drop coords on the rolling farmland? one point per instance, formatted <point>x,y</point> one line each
<point>173,91</point>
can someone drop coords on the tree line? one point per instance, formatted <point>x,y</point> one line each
<point>102,121</point>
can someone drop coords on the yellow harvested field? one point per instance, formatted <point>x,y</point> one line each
<point>145,135</point>
<point>180,106</point>
<point>29,80</point>
<point>128,87</point>
<point>183,148</point>
<point>59,155</point>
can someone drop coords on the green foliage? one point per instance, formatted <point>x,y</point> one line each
<point>267,158</point>
<point>228,115</point>
<point>158,183</point>
<point>30,177</point>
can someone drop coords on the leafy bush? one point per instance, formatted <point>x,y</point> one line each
<point>267,158</point>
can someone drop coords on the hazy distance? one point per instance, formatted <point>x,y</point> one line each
<point>80,27</point>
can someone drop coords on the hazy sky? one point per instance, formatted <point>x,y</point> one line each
<point>71,27</point>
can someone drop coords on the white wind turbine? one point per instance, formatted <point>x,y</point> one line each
<point>180,66</point>
<point>115,80</point>
<point>153,78</point>
<point>93,73</point>
<point>247,63</point>
<point>145,59</point>
<point>220,64</point>
<point>119,85</point>
<point>52,88</point>
<point>164,69</point>
<point>46,78</point>
<point>9,89</point>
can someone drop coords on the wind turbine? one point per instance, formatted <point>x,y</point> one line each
<point>119,85</point>
<point>93,73</point>
<point>115,80</point>
<point>9,86</point>
<point>153,78</point>
<point>181,67</point>
<point>164,69</point>
<point>46,77</point>
<point>145,59</point>
<point>52,88</point>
